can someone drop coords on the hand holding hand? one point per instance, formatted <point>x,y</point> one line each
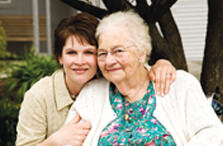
<point>73,133</point>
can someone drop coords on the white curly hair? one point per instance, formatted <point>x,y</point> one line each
<point>136,26</point>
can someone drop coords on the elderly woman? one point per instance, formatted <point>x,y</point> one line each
<point>127,111</point>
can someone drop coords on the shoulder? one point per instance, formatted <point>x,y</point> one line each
<point>99,83</point>
<point>91,99</point>
<point>46,83</point>
<point>41,88</point>
<point>186,79</point>
<point>94,90</point>
<point>184,85</point>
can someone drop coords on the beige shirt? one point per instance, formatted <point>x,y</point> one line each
<point>43,110</point>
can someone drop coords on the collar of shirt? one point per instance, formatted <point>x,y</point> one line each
<point>61,93</point>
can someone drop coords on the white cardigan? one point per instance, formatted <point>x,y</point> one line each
<point>184,112</point>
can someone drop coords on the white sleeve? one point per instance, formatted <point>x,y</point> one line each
<point>204,127</point>
<point>89,103</point>
<point>71,114</point>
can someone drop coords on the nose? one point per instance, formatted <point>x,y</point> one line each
<point>80,59</point>
<point>110,60</point>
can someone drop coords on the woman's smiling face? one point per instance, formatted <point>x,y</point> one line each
<point>78,60</point>
<point>118,58</point>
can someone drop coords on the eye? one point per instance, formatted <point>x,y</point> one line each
<point>100,54</point>
<point>118,50</point>
<point>71,52</point>
<point>90,52</point>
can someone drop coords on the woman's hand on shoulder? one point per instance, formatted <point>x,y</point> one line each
<point>162,73</point>
<point>73,133</point>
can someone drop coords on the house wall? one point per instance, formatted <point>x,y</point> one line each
<point>21,7</point>
<point>59,10</point>
<point>191,19</point>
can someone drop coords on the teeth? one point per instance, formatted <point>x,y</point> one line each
<point>80,69</point>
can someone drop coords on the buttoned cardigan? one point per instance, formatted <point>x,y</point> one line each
<point>184,112</point>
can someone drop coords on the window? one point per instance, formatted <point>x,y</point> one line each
<point>5,1</point>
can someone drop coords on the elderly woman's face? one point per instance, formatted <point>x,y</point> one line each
<point>118,58</point>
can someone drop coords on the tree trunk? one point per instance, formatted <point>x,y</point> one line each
<point>212,68</point>
<point>170,45</point>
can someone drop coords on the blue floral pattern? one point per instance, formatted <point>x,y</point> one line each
<point>135,123</point>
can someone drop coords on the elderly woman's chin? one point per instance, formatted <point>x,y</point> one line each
<point>114,77</point>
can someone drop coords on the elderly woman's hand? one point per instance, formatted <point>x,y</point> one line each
<point>163,74</point>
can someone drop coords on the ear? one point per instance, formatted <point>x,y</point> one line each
<point>60,60</point>
<point>142,56</point>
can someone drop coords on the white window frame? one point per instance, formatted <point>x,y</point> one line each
<point>6,2</point>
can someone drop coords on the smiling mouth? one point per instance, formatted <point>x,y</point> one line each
<point>113,69</point>
<point>80,70</point>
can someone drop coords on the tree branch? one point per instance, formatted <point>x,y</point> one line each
<point>169,29</point>
<point>112,5</point>
<point>141,3</point>
<point>117,5</point>
<point>162,48</point>
<point>127,5</point>
<point>158,45</point>
<point>157,9</point>
<point>172,36</point>
<point>85,7</point>
<point>143,9</point>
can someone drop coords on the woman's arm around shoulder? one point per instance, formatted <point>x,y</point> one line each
<point>89,100</point>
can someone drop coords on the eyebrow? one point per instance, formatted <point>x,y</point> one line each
<point>86,49</point>
<point>112,48</point>
<point>90,48</point>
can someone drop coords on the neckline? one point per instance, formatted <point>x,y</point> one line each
<point>138,108</point>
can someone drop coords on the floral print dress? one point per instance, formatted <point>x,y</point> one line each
<point>135,123</point>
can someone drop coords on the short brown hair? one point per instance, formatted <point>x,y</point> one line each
<point>82,26</point>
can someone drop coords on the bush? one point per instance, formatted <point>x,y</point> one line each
<point>8,121</point>
<point>24,75</point>
<point>3,43</point>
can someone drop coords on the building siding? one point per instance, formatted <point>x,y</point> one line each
<point>191,19</point>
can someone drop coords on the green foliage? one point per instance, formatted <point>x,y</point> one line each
<point>3,43</point>
<point>24,75</point>
<point>2,38</point>
<point>8,121</point>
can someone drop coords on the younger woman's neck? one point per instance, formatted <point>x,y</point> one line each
<point>73,87</point>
